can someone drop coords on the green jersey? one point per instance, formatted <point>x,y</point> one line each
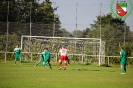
<point>41,54</point>
<point>17,51</point>
<point>123,58</point>
<point>46,54</point>
<point>123,54</point>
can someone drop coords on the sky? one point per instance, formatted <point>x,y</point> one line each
<point>84,12</point>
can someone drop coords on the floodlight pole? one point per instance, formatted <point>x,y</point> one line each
<point>76,27</point>
<point>124,32</point>
<point>100,20</point>
<point>30,18</point>
<point>53,25</point>
<point>54,22</point>
<point>30,30</point>
<point>7,29</point>
<point>76,18</point>
<point>100,37</point>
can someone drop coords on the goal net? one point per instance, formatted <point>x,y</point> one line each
<point>89,50</point>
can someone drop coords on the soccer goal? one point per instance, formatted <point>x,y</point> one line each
<point>89,50</point>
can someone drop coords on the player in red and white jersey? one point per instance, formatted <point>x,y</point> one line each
<point>63,57</point>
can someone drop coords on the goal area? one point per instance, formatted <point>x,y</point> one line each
<point>88,50</point>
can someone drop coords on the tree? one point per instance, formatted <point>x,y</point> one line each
<point>11,44</point>
<point>77,33</point>
<point>65,33</point>
<point>24,15</point>
<point>85,32</point>
<point>112,32</point>
<point>41,16</point>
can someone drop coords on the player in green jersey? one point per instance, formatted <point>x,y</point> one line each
<point>47,58</point>
<point>17,52</point>
<point>123,61</point>
<point>44,57</point>
<point>41,59</point>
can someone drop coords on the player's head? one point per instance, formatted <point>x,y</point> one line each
<point>63,46</point>
<point>17,46</point>
<point>121,48</point>
<point>45,48</point>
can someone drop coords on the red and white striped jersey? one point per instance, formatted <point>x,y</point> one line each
<point>63,52</point>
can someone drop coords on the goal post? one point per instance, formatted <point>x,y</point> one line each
<point>84,49</point>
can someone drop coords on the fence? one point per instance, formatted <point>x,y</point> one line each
<point>116,61</point>
<point>84,59</point>
<point>34,56</point>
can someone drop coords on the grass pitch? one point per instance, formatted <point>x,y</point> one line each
<point>87,76</point>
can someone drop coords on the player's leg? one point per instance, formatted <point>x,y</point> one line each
<point>49,64</point>
<point>41,60</point>
<point>125,65</point>
<point>44,63</point>
<point>68,60</point>
<point>37,63</point>
<point>125,68</point>
<point>20,60</point>
<point>16,56</point>
<point>60,62</point>
<point>20,57</point>
<point>122,67</point>
<point>15,61</point>
<point>65,62</point>
<point>47,59</point>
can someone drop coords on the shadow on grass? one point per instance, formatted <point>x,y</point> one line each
<point>105,65</point>
<point>95,70</point>
<point>78,69</point>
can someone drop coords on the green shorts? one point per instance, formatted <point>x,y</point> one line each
<point>123,62</point>
<point>18,56</point>
<point>46,58</point>
<point>41,59</point>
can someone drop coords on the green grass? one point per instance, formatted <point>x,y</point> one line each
<point>89,76</point>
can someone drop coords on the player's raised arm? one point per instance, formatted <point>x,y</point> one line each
<point>13,54</point>
<point>68,50</point>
